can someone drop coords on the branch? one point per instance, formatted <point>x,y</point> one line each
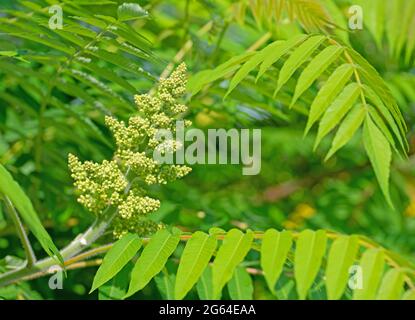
<point>81,260</point>
<point>30,255</point>
<point>81,242</point>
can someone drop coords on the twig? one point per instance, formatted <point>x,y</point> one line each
<point>40,269</point>
<point>30,255</point>
<point>77,265</point>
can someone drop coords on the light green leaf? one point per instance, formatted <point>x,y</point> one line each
<point>334,84</point>
<point>240,287</point>
<point>274,249</point>
<point>315,68</point>
<point>233,250</point>
<point>370,74</point>
<point>297,58</point>
<point>197,81</point>
<point>196,256</point>
<point>153,258</point>
<point>276,50</point>
<point>165,284</point>
<point>215,230</point>
<point>205,286</point>
<point>380,155</point>
<point>372,264</point>
<point>347,129</point>
<point>409,295</point>
<point>341,257</point>
<point>377,119</point>
<point>391,286</point>
<point>377,102</point>
<point>130,11</point>
<point>245,70</point>
<point>309,252</point>
<point>116,288</point>
<point>12,190</point>
<point>337,110</point>
<point>116,258</point>
<point>8,53</point>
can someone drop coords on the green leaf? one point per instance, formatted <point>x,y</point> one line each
<point>309,252</point>
<point>337,110</point>
<point>380,155</point>
<point>12,190</point>
<point>116,288</point>
<point>240,287</point>
<point>334,84</point>
<point>409,295</point>
<point>116,258</point>
<point>276,50</point>
<point>233,250</point>
<point>120,61</point>
<point>205,286</point>
<point>37,38</point>
<point>377,119</point>
<point>274,249</point>
<point>347,129</point>
<point>370,74</point>
<point>377,102</point>
<point>391,286</point>
<point>8,53</point>
<point>245,70</point>
<point>372,264</point>
<point>315,68</point>
<point>153,258</point>
<point>197,81</point>
<point>165,284</point>
<point>341,257</point>
<point>109,75</point>
<point>196,256</point>
<point>216,230</point>
<point>297,58</point>
<point>130,11</point>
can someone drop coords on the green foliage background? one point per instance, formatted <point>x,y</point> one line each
<point>56,86</point>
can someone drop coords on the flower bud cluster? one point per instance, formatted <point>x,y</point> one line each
<point>105,184</point>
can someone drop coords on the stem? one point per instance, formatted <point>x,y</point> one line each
<point>76,246</point>
<point>84,240</point>
<point>356,73</point>
<point>78,261</point>
<point>30,255</point>
<point>81,242</point>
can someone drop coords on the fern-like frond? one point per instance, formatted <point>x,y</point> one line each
<point>351,94</point>
<point>310,14</point>
<point>350,267</point>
